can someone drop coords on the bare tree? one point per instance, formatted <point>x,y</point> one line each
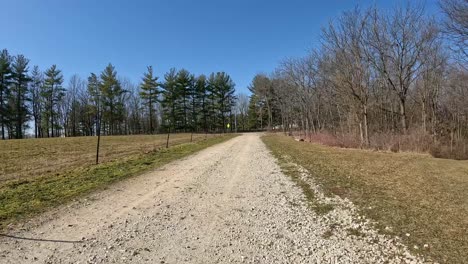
<point>352,71</point>
<point>396,45</point>
<point>456,25</point>
<point>242,108</point>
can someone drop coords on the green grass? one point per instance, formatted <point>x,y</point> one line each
<point>23,198</point>
<point>403,192</point>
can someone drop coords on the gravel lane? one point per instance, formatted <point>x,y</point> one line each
<point>228,203</point>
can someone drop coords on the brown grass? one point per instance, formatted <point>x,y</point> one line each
<point>38,157</point>
<point>23,198</point>
<point>406,192</point>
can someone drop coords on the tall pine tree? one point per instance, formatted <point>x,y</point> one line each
<point>37,82</point>
<point>111,91</point>
<point>184,85</point>
<point>95,103</point>
<point>149,93</point>
<point>169,102</point>
<point>19,95</point>
<point>5,81</point>
<point>52,93</point>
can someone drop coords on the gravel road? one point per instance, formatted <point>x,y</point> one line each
<point>228,203</point>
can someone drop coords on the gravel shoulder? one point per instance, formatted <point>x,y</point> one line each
<point>228,203</point>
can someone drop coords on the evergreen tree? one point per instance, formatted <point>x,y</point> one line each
<point>149,93</point>
<point>224,94</point>
<point>94,104</point>
<point>37,82</point>
<point>212,106</point>
<point>111,91</point>
<point>5,81</point>
<point>253,112</point>
<point>52,94</point>
<point>200,103</point>
<point>169,101</point>
<point>184,86</point>
<point>19,94</point>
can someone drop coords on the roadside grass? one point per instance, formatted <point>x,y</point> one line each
<point>422,200</point>
<point>25,197</point>
<point>26,158</point>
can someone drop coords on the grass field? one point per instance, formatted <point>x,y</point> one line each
<point>27,193</point>
<point>421,199</point>
<point>37,157</point>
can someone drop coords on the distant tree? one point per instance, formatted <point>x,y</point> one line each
<point>72,106</point>
<point>255,113</point>
<point>5,81</point>
<point>111,91</point>
<point>94,101</point>
<point>225,96</point>
<point>184,88</point>
<point>242,107</point>
<point>19,94</point>
<point>52,93</point>
<point>169,101</point>
<point>149,93</point>
<point>262,87</point>
<point>200,103</point>
<point>37,82</point>
<point>135,111</point>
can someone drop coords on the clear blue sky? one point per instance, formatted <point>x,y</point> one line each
<point>241,37</point>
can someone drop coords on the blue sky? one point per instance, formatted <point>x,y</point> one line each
<point>241,37</point>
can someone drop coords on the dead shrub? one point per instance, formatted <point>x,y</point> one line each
<point>415,140</point>
<point>457,151</point>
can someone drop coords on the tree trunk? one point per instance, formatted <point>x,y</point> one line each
<point>366,126</point>
<point>404,125</point>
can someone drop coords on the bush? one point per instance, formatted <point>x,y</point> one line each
<point>457,151</point>
<point>416,140</point>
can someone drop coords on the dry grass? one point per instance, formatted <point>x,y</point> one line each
<point>38,157</point>
<point>405,193</point>
<point>25,197</point>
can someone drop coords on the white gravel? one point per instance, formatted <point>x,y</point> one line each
<point>228,203</point>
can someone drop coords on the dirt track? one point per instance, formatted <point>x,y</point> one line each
<point>228,203</point>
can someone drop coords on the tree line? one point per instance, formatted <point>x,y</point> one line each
<point>38,102</point>
<point>385,79</point>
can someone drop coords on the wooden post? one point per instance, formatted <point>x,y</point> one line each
<point>98,129</point>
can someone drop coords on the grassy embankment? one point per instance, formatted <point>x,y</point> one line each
<point>405,193</point>
<point>37,174</point>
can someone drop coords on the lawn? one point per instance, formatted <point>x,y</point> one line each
<point>31,194</point>
<point>421,199</point>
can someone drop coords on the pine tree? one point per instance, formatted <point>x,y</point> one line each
<point>19,94</point>
<point>37,82</point>
<point>224,95</point>
<point>212,105</point>
<point>111,91</point>
<point>5,81</point>
<point>184,85</point>
<point>253,112</point>
<point>200,104</point>
<point>94,108</point>
<point>149,93</point>
<point>52,93</point>
<point>169,101</point>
